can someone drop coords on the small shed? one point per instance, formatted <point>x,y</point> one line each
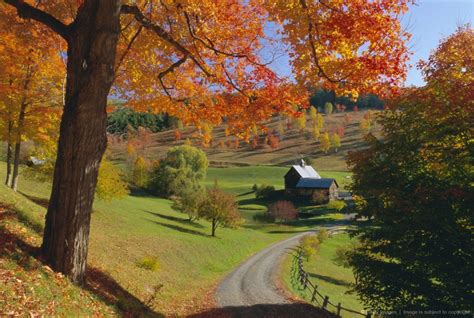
<point>303,181</point>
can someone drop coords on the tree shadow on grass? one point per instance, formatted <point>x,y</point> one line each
<point>107,289</point>
<point>180,228</point>
<point>40,201</point>
<point>330,279</point>
<point>292,310</point>
<point>99,283</point>
<point>175,219</point>
<point>245,193</point>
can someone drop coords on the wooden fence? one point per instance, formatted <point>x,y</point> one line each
<point>301,276</point>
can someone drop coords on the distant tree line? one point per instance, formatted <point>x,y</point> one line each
<point>122,117</point>
<point>321,97</point>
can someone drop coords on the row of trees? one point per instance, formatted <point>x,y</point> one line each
<point>323,99</point>
<point>31,83</point>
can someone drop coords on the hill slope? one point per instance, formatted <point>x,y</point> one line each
<point>294,144</point>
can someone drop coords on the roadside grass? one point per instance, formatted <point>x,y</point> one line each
<point>191,263</point>
<point>332,280</point>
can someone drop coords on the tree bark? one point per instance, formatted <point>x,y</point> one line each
<point>19,131</point>
<point>9,154</point>
<point>214,226</point>
<point>92,45</point>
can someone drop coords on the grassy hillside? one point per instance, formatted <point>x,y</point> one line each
<point>190,261</point>
<point>294,144</point>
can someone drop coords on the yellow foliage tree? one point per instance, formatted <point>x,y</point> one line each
<point>140,172</point>
<point>110,184</point>
<point>301,121</point>
<point>325,143</point>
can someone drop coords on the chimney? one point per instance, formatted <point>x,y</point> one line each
<point>303,164</point>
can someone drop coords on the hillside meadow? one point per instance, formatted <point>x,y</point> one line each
<point>190,262</point>
<point>294,143</point>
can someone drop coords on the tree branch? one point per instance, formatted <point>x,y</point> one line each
<point>149,25</point>
<point>27,11</point>
<point>169,70</point>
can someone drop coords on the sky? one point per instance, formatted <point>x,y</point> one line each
<point>429,21</point>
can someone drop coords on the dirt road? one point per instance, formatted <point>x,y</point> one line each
<point>252,284</point>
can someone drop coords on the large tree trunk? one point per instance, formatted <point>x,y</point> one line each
<point>90,73</point>
<point>19,131</point>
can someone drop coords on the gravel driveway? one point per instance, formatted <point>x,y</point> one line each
<point>252,284</point>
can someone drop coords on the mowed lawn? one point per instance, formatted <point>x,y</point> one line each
<point>191,262</point>
<point>332,280</point>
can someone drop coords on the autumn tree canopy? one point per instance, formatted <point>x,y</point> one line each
<point>31,79</point>
<point>199,61</point>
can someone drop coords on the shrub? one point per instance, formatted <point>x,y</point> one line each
<point>336,205</point>
<point>328,108</point>
<point>149,263</point>
<point>323,235</point>
<point>318,198</point>
<point>110,184</point>
<point>309,245</point>
<point>264,191</point>
<point>283,211</point>
<point>188,201</point>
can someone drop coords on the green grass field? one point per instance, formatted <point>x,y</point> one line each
<point>190,261</point>
<point>332,280</point>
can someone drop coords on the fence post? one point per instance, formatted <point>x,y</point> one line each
<point>313,297</point>
<point>325,302</point>
<point>338,310</point>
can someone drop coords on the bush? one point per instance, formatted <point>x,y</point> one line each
<point>264,191</point>
<point>323,235</point>
<point>110,184</point>
<point>336,205</point>
<point>318,198</point>
<point>149,263</point>
<point>282,211</point>
<point>309,245</point>
<point>188,201</point>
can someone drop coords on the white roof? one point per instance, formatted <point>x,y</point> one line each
<point>307,171</point>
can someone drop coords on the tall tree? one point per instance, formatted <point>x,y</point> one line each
<point>168,56</point>
<point>417,186</point>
